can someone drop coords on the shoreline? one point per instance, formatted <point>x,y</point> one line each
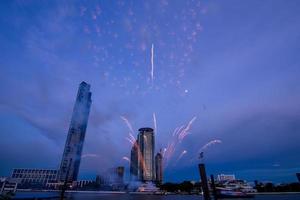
<point>275,193</point>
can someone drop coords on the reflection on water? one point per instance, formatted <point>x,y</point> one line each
<point>169,197</point>
<point>95,196</point>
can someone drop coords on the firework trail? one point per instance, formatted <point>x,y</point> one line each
<point>181,155</point>
<point>175,130</point>
<point>140,157</point>
<point>155,125</point>
<point>209,144</point>
<point>164,152</point>
<point>152,63</point>
<point>178,135</point>
<point>185,132</point>
<point>178,130</point>
<point>126,158</point>
<point>89,155</point>
<point>131,138</point>
<point>127,123</point>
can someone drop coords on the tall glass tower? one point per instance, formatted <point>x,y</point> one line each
<point>70,162</point>
<point>146,169</point>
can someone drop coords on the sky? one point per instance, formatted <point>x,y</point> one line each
<point>218,70</point>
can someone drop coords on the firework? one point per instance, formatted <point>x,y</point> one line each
<point>126,158</point>
<point>185,132</point>
<point>209,144</point>
<point>89,155</point>
<point>154,123</point>
<point>127,123</point>
<point>164,152</point>
<point>181,155</point>
<point>178,135</point>
<point>152,63</point>
<point>130,140</point>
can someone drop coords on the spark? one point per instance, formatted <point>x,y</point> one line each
<point>152,63</point>
<point>209,144</point>
<point>126,158</point>
<point>154,122</point>
<point>181,155</point>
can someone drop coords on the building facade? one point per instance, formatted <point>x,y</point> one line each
<point>159,167</point>
<point>70,162</point>
<point>226,177</point>
<point>39,177</point>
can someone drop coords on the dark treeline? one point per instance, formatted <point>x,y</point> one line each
<point>185,186</point>
<point>270,187</point>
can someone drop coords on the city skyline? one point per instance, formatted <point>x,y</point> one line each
<point>197,72</point>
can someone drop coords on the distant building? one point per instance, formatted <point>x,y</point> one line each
<point>298,176</point>
<point>120,174</point>
<point>134,162</point>
<point>159,167</point>
<point>7,187</point>
<point>226,177</point>
<point>82,183</point>
<point>112,179</point>
<point>34,177</point>
<point>116,175</point>
<point>73,148</point>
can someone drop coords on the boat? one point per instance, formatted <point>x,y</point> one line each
<point>147,187</point>
<point>235,189</point>
<point>230,193</point>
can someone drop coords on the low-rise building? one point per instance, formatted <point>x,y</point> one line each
<point>34,177</point>
<point>226,177</point>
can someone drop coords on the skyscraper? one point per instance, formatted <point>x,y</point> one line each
<point>70,162</point>
<point>159,167</point>
<point>147,146</point>
<point>142,156</point>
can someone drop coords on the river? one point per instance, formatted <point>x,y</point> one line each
<point>99,196</point>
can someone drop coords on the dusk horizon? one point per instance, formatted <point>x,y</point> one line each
<point>216,77</point>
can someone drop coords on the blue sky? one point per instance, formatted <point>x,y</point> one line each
<point>234,65</point>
